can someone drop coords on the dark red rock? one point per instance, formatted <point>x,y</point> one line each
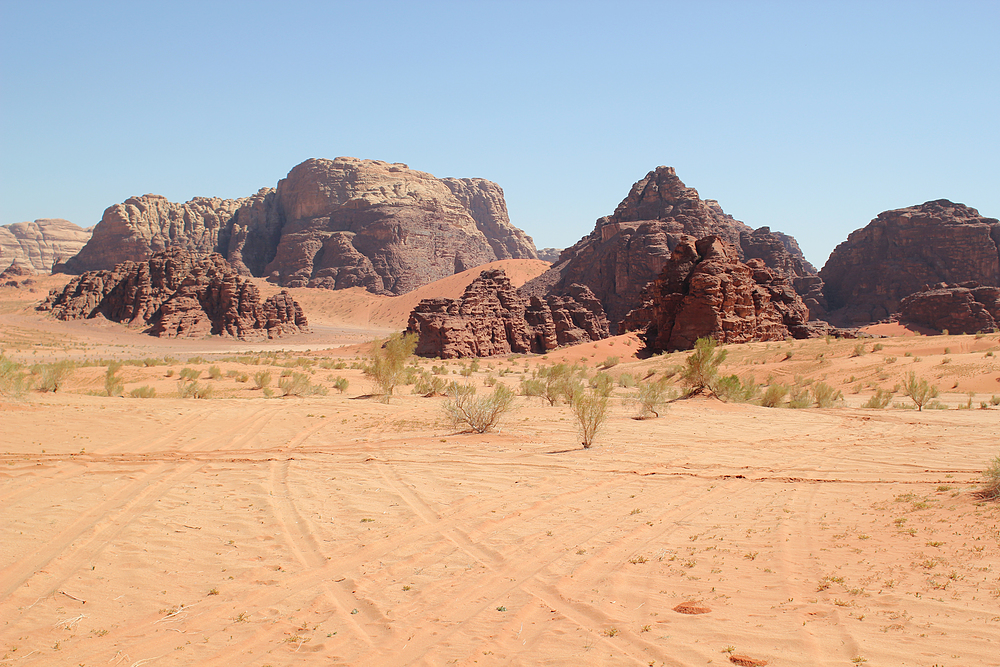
<point>175,294</point>
<point>900,251</point>
<point>493,318</point>
<point>959,309</point>
<point>629,248</point>
<point>706,291</point>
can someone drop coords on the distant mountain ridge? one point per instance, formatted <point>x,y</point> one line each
<point>39,245</point>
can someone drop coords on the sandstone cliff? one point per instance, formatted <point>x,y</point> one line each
<point>330,223</point>
<point>704,290</point>
<point>175,293</point>
<point>959,309</point>
<point>629,248</point>
<point>492,318</point>
<point>901,251</point>
<point>40,244</point>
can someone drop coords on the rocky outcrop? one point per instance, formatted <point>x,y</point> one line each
<point>900,251</point>
<point>782,253</point>
<point>706,291</point>
<point>629,248</point>
<point>16,275</point>
<point>550,255</point>
<point>173,294</point>
<point>330,223</point>
<point>40,244</point>
<point>960,309</point>
<point>492,318</point>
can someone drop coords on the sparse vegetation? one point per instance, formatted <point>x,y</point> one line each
<point>14,380</point>
<point>299,384</point>
<point>591,411</point>
<point>481,414</point>
<point>387,361</point>
<point>991,480</point>
<point>113,385</point>
<point>145,391</point>
<point>53,376</point>
<point>879,400</point>
<point>650,398</point>
<point>825,396</point>
<point>191,389</point>
<point>919,391</point>
<point>774,396</point>
<point>702,367</point>
<point>261,379</point>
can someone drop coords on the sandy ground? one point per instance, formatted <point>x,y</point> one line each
<point>337,529</point>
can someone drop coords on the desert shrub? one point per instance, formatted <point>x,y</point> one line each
<point>14,380</point>
<point>242,377</point>
<point>650,397</point>
<point>994,400</point>
<point>532,387</point>
<point>189,374</point>
<point>702,367</point>
<point>890,360</point>
<point>287,373</point>
<point>261,379</point>
<point>556,382</point>
<point>610,362</point>
<point>490,380</point>
<point>214,372</point>
<point>991,480</point>
<point>671,371</point>
<point>340,384</point>
<point>591,411</point>
<point>919,391</point>
<point>299,384</point>
<point>626,380</point>
<point>191,389</point>
<point>825,396</point>
<point>386,362</point>
<point>53,376</point>
<point>731,388</point>
<point>774,396</point>
<point>877,347</point>
<point>859,349</point>
<point>430,385</point>
<point>602,383</point>
<point>145,391</point>
<point>409,375</point>
<point>113,385</point>
<point>482,413</point>
<point>799,398</point>
<point>879,400</point>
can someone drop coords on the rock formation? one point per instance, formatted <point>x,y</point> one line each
<point>550,255</point>
<point>901,251</point>
<point>492,318</point>
<point>174,293</point>
<point>959,309</point>
<point>16,275</point>
<point>706,291</point>
<point>629,248</point>
<point>40,244</point>
<point>330,223</point>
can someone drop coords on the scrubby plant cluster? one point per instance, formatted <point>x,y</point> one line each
<point>480,413</point>
<point>386,364</point>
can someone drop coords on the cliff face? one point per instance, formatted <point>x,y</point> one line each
<point>706,291</point>
<point>961,309</point>
<point>629,248</point>
<point>38,245</point>
<point>175,293</point>
<point>901,251</point>
<point>492,318</point>
<point>330,223</point>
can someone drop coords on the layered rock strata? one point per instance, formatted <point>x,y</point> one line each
<point>41,244</point>
<point>629,248</point>
<point>330,223</point>
<point>706,291</point>
<point>901,251</point>
<point>492,318</point>
<point>176,294</point>
<point>960,309</point>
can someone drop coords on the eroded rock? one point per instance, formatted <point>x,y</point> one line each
<point>960,309</point>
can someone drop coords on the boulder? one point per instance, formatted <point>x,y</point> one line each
<point>900,251</point>
<point>960,309</point>
<point>175,294</point>
<point>493,318</point>
<point>629,248</point>
<point>706,291</point>
<point>37,246</point>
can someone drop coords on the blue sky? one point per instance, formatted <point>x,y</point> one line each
<point>808,117</point>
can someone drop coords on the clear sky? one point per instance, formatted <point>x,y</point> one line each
<point>808,117</point>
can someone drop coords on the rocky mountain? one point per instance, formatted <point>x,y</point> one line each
<point>705,290</point>
<point>550,255</point>
<point>330,223</point>
<point>629,248</point>
<point>901,251</point>
<point>40,244</point>
<point>176,293</point>
<point>492,318</point>
<point>960,309</point>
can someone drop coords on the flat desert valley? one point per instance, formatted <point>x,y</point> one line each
<point>340,530</point>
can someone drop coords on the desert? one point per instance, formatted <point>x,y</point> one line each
<point>339,529</point>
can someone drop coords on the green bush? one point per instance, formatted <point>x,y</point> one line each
<point>774,396</point>
<point>299,384</point>
<point>826,396</point>
<point>610,362</point>
<point>145,391</point>
<point>481,414</point>
<point>879,400</point>
<point>189,374</point>
<point>113,385</point>
<point>387,361</point>
<point>591,411</point>
<point>530,387</point>
<point>261,379</point>
<point>602,383</point>
<point>14,380</point>
<point>919,391</point>
<point>799,398</point>
<point>731,388</point>
<point>214,372</point>
<point>191,389</point>
<point>340,384</point>
<point>991,480</point>
<point>53,376</point>
<point>702,367</point>
<point>650,397</point>
<point>428,385</point>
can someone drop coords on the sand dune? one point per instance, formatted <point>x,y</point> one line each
<point>337,530</point>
